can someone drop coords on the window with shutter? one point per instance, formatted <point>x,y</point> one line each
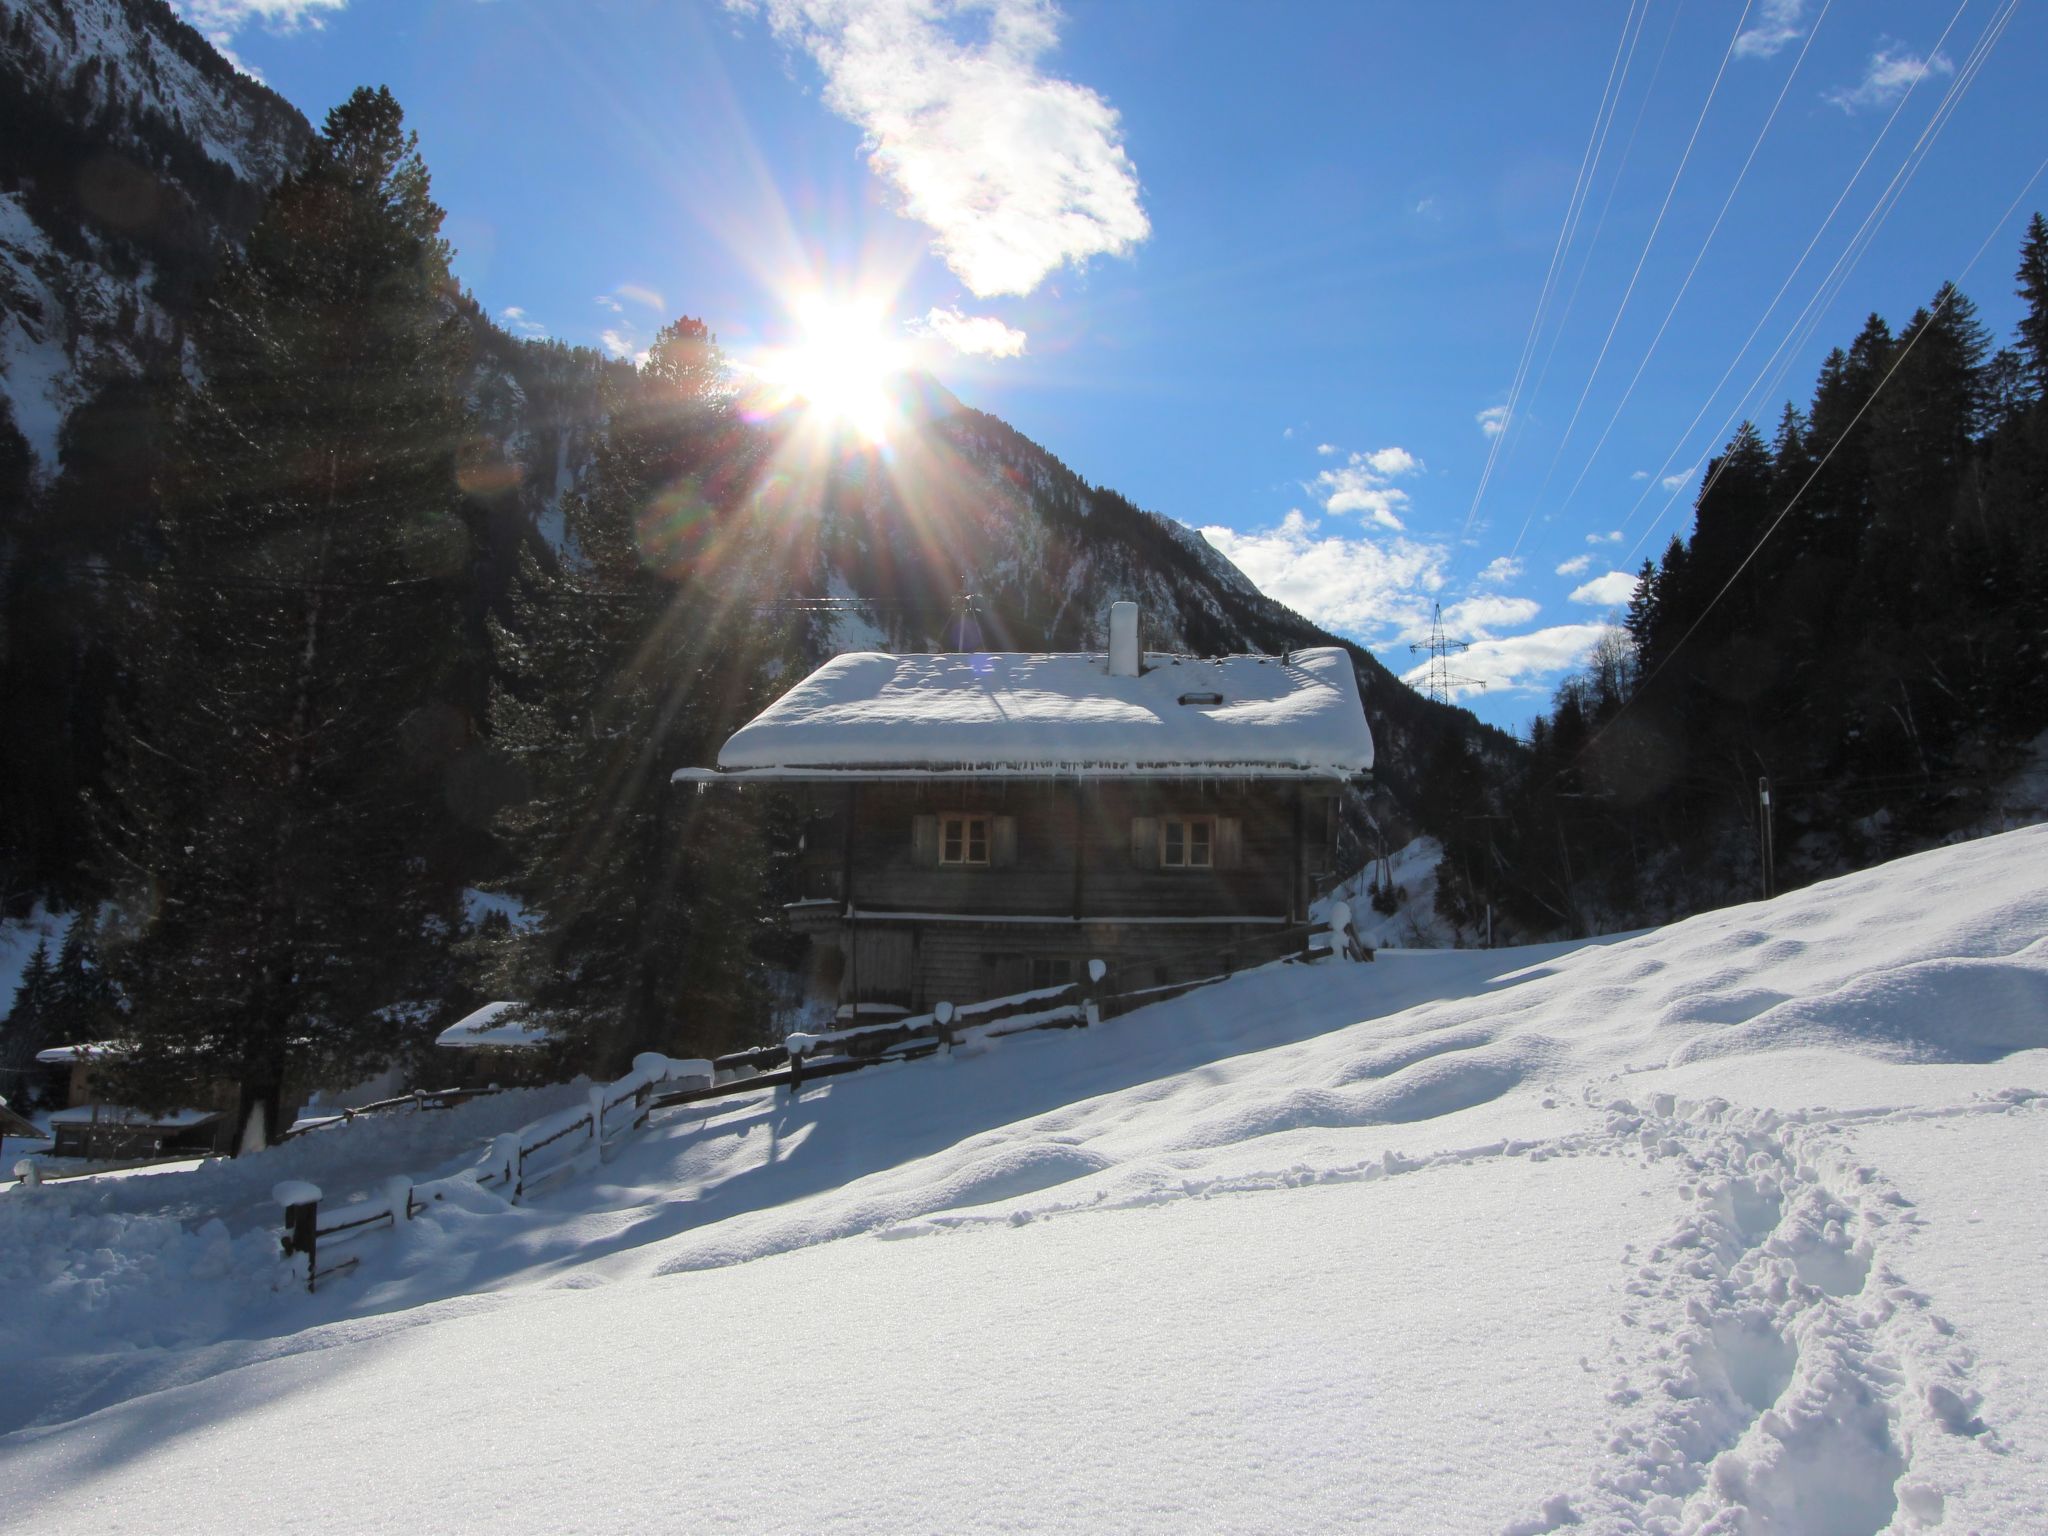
<point>963,840</point>
<point>1187,842</point>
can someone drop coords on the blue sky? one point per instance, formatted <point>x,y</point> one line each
<point>1271,269</point>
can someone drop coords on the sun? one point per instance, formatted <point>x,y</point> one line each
<point>841,369</point>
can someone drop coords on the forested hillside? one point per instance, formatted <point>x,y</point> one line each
<point>1858,617</point>
<point>325,601</point>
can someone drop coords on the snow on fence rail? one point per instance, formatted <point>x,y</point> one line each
<point>580,1137</point>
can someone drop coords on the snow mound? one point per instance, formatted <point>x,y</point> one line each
<point>1719,1228</point>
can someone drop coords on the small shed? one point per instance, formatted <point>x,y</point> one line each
<point>87,1127</point>
<point>498,1042</point>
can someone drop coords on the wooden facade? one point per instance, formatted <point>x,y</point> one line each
<point>961,888</point>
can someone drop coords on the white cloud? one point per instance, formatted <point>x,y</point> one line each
<point>1518,662</point>
<point>635,293</point>
<point>606,301</point>
<point>1369,587</point>
<point>1640,474</point>
<point>521,321</point>
<point>1493,420</point>
<point>1609,591</point>
<point>1684,476</point>
<point>1612,536</point>
<point>1287,431</point>
<point>977,335</point>
<point>1326,449</point>
<point>1777,23</point>
<point>1015,172</point>
<point>1477,618</point>
<point>228,17</point>
<point>1499,573</point>
<point>622,345</point>
<point>1360,485</point>
<point>220,20</point>
<point>1578,565</point>
<point>1888,75</point>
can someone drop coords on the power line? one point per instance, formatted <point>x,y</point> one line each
<point>1596,141</point>
<point>1838,274</point>
<point>1698,256</point>
<point>1621,309</point>
<point>1948,295</point>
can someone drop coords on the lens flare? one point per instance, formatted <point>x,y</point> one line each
<point>673,528</point>
<point>842,369</point>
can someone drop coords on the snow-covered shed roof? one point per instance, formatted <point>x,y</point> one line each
<point>489,1029</point>
<point>121,1114</point>
<point>866,714</point>
<point>93,1050</point>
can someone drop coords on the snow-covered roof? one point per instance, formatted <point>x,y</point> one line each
<point>488,1028</point>
<point>121,1114</point>
<point>94,1050</point>
<point>1010,713</point>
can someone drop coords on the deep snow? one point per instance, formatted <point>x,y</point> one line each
<point>1733,1226</point>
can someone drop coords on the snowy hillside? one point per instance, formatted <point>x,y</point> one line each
<point>1735,1226</point>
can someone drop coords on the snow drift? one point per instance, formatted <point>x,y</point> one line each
<point>1729,1227</point>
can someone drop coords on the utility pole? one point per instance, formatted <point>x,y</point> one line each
<point>1441,679</point>
<point>1767,852</point>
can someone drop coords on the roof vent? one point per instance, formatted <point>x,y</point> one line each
<point>1123,640</point>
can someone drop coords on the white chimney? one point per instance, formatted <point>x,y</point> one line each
<point>1123,640</point>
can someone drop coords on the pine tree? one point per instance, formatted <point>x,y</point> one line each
<point>278,775</point>
<point>28,1025</point>
<point>1641,619</point>
<point>1734,509</point>
<point>639,658</point>
<point>85,1006</point>
<point>2033,287</point>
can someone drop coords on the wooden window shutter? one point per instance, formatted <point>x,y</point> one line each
<point>1145,841</point>
<point>924,839</point>
<point>1229,842</point>
<point>1002,843</point>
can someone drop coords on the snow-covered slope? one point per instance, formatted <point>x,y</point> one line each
<point>1736,1226</point>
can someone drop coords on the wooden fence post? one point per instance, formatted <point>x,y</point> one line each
<point>1091,993</point>
<point>942,1016</point>
<point>301,1202</point>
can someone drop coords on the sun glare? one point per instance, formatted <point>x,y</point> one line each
<point>841,368</point>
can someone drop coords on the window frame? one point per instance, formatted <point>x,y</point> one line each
<point>966,821</point>
<point>1185,826</point>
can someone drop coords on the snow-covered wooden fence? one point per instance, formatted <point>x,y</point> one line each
<point>808,1055</point>
<point>583,1135</point>
<point>573,1140</point>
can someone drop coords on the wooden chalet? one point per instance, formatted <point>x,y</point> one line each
<point>978,824</point>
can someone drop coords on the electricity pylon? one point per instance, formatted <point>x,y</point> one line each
<point>1441,679</point>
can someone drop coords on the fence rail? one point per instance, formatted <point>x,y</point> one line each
<point>419,1099</point>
